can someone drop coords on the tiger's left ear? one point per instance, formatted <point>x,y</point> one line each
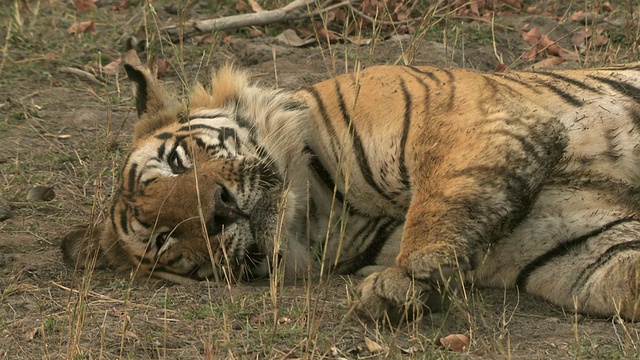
<point>156,108</point>
<point>151,96</point>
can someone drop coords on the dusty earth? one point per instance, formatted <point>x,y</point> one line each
<point>68,133</point>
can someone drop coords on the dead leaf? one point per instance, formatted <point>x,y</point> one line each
<point>541,43</point>
<point>131,57</point>
<point>576,15</point>
<point>255,6</point>
<point>530,54</point>
<point>606,6</point>
<point>132,335</point>
<point>162,67</point>
<point>85,5</point>
<point>501,67</point>
<point>373,346</point>
<point>579,37</point>
<point>327,36</point>
<point>474,7</point>
<point>242,6</point>
<point>254,32</point>
<point>290,38</point>
<point>455,342</point>
<point>532,36</point>
<point>88,26</point>
<point>548,62</point>
<point>600,38</point>
<point>358,40</point>
<point>113,67</point>
<point>34,333</point>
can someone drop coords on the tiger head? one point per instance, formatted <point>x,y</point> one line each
<point>211,186</point>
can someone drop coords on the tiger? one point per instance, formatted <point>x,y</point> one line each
<point>419,179</point>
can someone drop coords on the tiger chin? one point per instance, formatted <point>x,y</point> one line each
<point>418,178</point>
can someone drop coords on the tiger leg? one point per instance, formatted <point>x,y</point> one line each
<point>576,249</point>
<point>473,196</point>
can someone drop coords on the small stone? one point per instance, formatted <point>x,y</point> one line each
<point>41,193</point>
<point>5,211</point>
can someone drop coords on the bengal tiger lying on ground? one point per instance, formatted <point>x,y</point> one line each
<point>407,174</point>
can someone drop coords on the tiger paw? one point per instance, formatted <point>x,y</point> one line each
<point>394,296</point>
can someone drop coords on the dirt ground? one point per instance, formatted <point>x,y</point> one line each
<point>69,133</point>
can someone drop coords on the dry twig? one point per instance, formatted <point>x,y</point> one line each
<point>287,12</point>
<point>83,74</point>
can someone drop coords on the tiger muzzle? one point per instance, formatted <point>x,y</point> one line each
<point>225,211</point>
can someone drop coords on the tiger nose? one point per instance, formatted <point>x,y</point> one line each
<point>226,210</point>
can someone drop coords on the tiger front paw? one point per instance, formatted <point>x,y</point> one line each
<point>397,297</point>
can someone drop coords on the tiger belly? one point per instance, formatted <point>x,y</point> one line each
<point>576,247</point>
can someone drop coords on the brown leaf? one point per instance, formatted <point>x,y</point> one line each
<point>254,32</point>
<point>161,67</point>
<point>373,346</point>
<point>290,38</point>
<point>255,6</point>
<point>474,7</point>
<point>36,332</point>
<point>568,55</point>
<point>455,342</point>
<point>131,57</point>
<point>88,26</point>
<point>85,5</point>
<point>599,38</point>
<point>242,6</point>
<point>606,6</point>
<point>501,67</point>
<point>532,37</point>
<point>359,40</point>
<point>113,67</point>
<point>530,54</point>
<point>580,36</point>
<point>576,15</point>
<point>548,62</point>
<point>327,36</point>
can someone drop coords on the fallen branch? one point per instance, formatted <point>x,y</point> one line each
<point>83,74</point>
<point>285,13</point>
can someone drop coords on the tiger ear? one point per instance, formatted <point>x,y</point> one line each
<point>151,96</point>
<point>156,108</point>
<point>81,248</point>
